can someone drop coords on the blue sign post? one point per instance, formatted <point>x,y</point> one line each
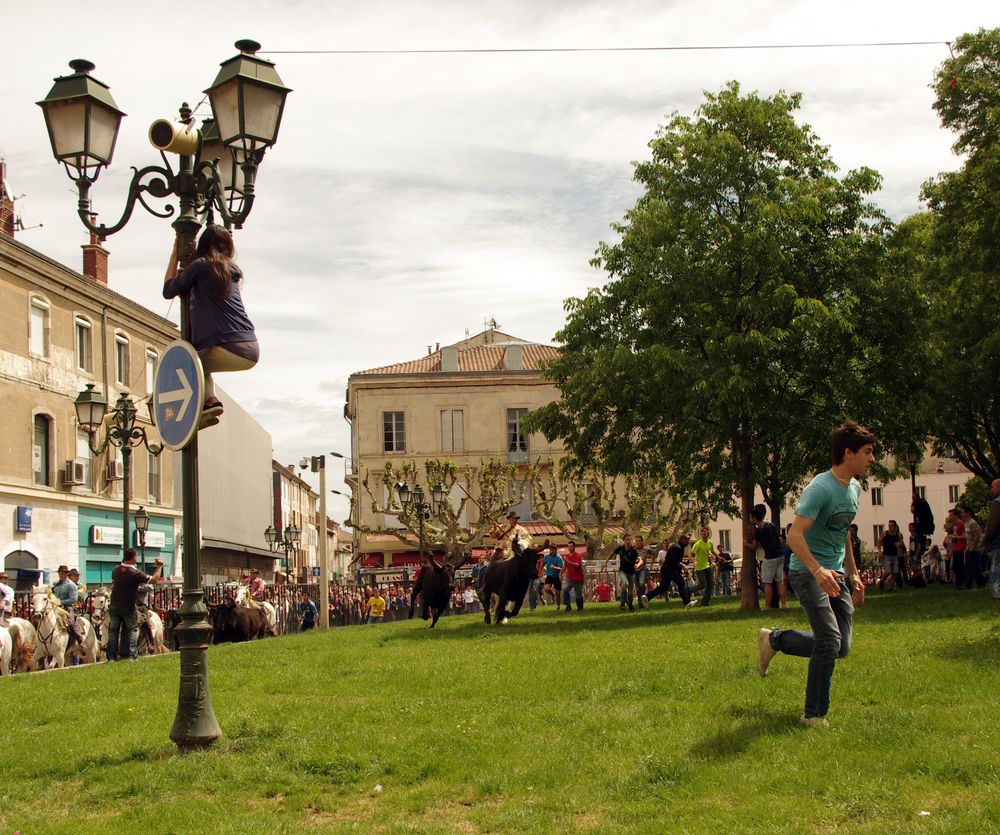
<point>178,394</point>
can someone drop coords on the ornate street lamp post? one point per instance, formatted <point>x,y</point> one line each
<point>247,100</point>
<point>122,434</point>
<point>912,459</point>
<point>413,500</point>
<point>141,526</point>
<point>287,541</point>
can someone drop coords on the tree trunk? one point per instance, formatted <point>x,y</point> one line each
<point>749,599</point>
<point>775,505</point>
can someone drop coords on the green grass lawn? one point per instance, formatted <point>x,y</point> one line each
<point>560,722</point>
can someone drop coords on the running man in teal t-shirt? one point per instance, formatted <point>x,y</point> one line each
<point>823,571</point>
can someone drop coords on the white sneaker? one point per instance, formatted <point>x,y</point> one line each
<point>692,604</point>
<point>813,721</point>
<point>765,652</point>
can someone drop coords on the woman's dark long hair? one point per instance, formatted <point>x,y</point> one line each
<point>216,246</point>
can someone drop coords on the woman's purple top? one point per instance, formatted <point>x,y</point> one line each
<point>213,321</point>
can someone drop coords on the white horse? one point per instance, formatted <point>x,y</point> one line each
<point>22,635</point>
<point>243,598</point>
<point>155,623</point>
<point>100,617</point>
<point>52,633</point>
<point>6,648</point>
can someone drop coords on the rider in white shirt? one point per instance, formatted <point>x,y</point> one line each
<point>6,600</point>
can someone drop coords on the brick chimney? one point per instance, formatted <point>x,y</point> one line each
<point>95,261</point>
<point>6,204</point>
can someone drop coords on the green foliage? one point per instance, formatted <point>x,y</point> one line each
<point>583,501</point>
<point>954,250</point>
<point>743,317</point>
<point>967,91</point>
<point>313,723</point>
<point>495,483</point>
<point>978,496</point>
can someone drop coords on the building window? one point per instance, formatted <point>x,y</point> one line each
<point>40,451</point>
<point>452,430</point>
<point>393,432</point>
<point>876,496</point>
<point>877,530</point>
<point>725,541</point>
<point>922,492</point>
<point>954,491</point>
<point>153,468</point>
<point>38,328</point>
<point>83,350</point>
<point>121,359</point>
<point>84,456</point>
<point>517,441</point>
<point>152,359</point>
<point>585,496</point>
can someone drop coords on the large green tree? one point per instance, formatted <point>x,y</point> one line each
<point>960,249</point>
<point>732,334</point>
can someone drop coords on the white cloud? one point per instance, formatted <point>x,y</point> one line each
<point>412,196</point>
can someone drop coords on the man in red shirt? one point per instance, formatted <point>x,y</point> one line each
<point>573,576</point>
<point>604,592</point>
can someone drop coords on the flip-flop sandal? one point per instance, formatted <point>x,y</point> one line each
<point>207,420</point>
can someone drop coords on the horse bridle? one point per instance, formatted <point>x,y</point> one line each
<point>41,619</point>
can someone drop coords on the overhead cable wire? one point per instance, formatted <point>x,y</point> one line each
<point>695,48</point>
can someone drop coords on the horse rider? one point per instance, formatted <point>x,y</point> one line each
<point>67,594</point>
<point>506,538</point>
<point>6,600</point>
<point>256,586</point>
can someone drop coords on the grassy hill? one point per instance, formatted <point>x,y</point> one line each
<point>599,721</point>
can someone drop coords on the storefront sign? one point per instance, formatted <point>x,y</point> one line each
<point>23,519</point>
<point>154,539</point>
<point>102,535</point>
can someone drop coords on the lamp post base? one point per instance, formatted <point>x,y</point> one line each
<point>195,725</point>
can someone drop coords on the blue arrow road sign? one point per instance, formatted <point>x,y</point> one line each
<point>178,394</point>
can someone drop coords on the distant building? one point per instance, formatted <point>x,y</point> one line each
<point>294,503</point>
<point>60,331</point>
<point>234,467</point>
<point>463,402</point>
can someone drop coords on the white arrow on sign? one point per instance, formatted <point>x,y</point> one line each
<point>183,394</point>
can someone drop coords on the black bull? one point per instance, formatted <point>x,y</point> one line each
<point>506,584</point>
<point>238,623</point>
<point>434,585</point>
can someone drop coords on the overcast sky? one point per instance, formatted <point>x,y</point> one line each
<point>411,197</point>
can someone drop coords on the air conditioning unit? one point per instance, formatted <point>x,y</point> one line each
<point>73,472</point>
<point>116,470</point>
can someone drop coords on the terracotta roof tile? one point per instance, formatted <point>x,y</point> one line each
<point>475,358</point>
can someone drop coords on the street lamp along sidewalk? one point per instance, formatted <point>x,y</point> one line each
<point>123,434</point>
<point>247,100</point>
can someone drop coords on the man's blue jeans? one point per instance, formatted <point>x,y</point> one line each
<point>626,583</point>
<point>830,618</point>
<point>127,620</point>
<point>995,573</point>
<point>576,588</point>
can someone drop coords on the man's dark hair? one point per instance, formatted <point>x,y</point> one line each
<point>854,527</point>
<point>129,554</point>
<point>849,436</point>
<point>759,512</point>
